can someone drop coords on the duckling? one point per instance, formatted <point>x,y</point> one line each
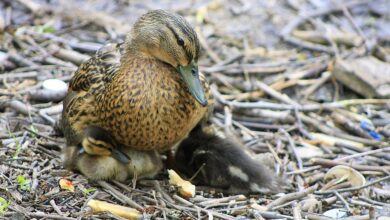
<point>99,157</point>
<point>146,93</point>
<point>141,164</point>
<point>224,164</point>
<point>97,141</point>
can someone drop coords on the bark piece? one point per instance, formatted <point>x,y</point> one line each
<point>367,76</point>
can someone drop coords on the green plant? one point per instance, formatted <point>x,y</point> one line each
<point>86,191</point>
<point>18,149</point>
<point>34,132</point>
<point>18,144</point>
<point>3,205</point>
<point>46,28</point>
<point>24,183</point>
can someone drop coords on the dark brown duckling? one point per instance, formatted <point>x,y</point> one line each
<point>223,164</point>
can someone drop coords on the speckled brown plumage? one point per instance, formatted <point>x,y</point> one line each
<point>135,92</point>
<point>145,104</point>
<point>155,112</point>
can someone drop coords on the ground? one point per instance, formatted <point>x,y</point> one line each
<point>288,81</point>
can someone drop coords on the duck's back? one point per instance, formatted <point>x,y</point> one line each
<point>79,104</point>
<point>98,69</point>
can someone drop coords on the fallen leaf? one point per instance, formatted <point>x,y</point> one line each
<point>311,204</point>
<point>342,173</point>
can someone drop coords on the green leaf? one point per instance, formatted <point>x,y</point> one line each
<point>18,145</point>
<point>18,148</point>
<point>301,57</point>
<point>3,205</point>
<point>24,183</point>
<point>35,131</point>
<point>46,28</point>
<point>86,191</point>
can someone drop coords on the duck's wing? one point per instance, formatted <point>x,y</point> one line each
<point>99,69</point>
<point>87,81</point>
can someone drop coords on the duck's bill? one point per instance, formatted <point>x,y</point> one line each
<point>190,75</point>
<point>120,156</point>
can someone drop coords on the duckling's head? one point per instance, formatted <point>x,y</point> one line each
<point>169,38</point>
<point>97,141</point>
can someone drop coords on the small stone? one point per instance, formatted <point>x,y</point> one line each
<point>55,85</point>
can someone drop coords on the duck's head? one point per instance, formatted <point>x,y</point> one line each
<point>170,38</point>
<point>97,141</point>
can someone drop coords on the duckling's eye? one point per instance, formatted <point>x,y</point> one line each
<point>180,42</point>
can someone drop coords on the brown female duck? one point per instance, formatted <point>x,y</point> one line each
<point>147,93</point>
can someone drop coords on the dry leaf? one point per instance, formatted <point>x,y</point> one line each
<point>342,173</point>
<point>311,204</point>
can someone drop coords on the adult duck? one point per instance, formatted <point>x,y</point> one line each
<point>146,93</point>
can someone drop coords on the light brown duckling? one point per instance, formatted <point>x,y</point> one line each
<point>142,164</point>
<point>99,157</point>
<point>224,164</point>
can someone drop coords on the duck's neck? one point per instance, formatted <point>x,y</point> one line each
<point>135,58</point>
<point>141,49</point>
<point>135,51</point>
<point>132,58</point>
<point>134,48</point>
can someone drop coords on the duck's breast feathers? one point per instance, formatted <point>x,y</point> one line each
<point>99,69</point>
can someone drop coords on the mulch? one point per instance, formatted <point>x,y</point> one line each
<point>271,67</point>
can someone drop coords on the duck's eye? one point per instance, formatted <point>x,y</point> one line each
<point>193,71</point>
<point>180,42</point>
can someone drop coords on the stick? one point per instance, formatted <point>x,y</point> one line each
<point>115,192</point>
<point>291,196</point>
<point>332,163</point>
<point>353,188</point>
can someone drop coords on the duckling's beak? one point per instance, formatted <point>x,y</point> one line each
<point>117,154</point>
<point>120,156</point>
<point>190,75</point>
